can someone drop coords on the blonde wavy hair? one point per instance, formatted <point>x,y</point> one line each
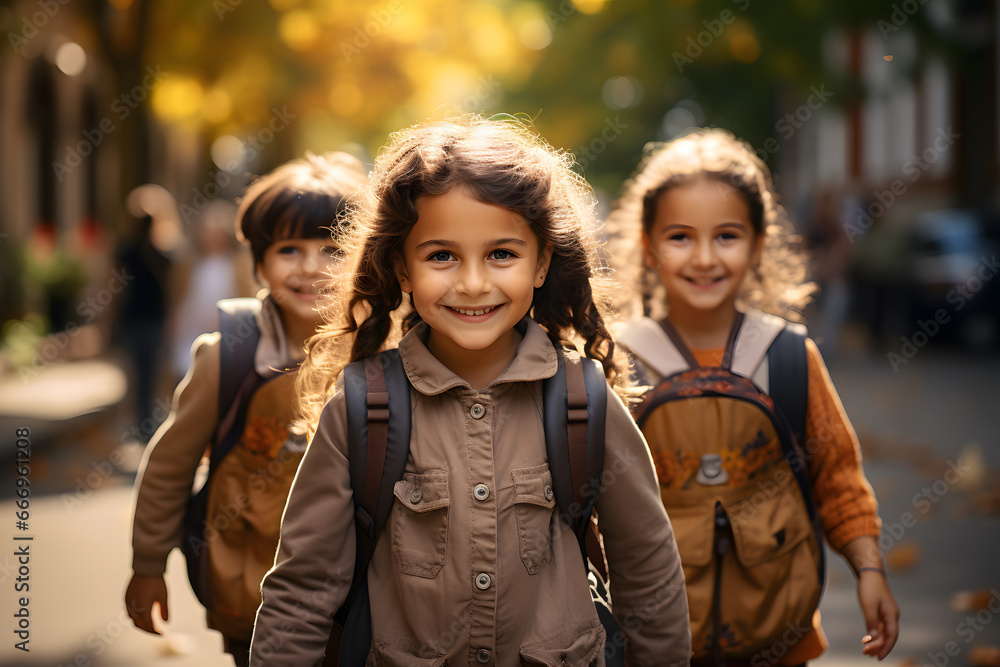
<point>498,161</point>
<point>778,285</point>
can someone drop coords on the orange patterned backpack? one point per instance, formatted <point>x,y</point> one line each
<point>734,481</point>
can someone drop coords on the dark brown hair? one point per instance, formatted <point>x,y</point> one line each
<point>501,162</point>
<point>300,199</point>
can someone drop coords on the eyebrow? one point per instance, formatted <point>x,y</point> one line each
<point>489,244</point>
<point>728,223</point>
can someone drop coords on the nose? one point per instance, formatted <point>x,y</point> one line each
<point>472,279</point>
<point>312,261</point>
<point>704,254</point>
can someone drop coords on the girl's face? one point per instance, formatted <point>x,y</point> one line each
<point>702,244</point>
<point>294,269</point>
<point>472,268</point>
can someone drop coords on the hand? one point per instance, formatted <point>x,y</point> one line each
<point>140,595</point>
<point>881,614</point>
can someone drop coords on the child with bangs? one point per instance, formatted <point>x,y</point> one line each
<point>235,409</point>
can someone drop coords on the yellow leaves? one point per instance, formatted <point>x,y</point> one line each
<point>177,98</point>
<point>298,29</point>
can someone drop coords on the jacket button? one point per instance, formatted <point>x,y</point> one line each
<point>481,492</point>
<point>477,411</point>
<point>416,496</point>
<point>483,656</point>
<point>548,492</point>
<point>483,581</point>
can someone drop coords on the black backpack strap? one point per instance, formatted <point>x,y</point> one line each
<point>378,446</point>
<point>574,416</point>
<point>788,378</point>
<point>238,379</point>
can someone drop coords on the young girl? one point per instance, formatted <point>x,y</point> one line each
<point>489,235</point>
<point>715,253</point>
<point>286,218</point>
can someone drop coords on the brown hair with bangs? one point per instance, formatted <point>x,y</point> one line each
<point>300,199</point>
<point>502,162</point>
<point>777,286</point>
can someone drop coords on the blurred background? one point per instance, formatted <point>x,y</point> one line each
<point>128,129</point>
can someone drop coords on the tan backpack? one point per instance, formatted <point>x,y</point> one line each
<point>734,482</point>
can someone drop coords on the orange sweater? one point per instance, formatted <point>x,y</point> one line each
<point>844,499</point>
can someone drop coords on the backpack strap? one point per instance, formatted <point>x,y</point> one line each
<point>788,372</point>
<point>238,379</point>
<point>574,418</point>
<point>757,331</point>
<point>648,341</point>
<point>375,389</point>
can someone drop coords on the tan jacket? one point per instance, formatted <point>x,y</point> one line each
<point>248,490</point>
<point>461,578</point>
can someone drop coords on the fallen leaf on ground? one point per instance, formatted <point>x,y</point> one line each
<point>984,656</point>
<point>971,601</point>
<point>903,557</point>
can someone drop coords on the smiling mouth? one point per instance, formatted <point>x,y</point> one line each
<point>473,311</point>
<point>705,282</point>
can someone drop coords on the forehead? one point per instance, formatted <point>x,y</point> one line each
<point>702,201</point>
<point>459,218</point>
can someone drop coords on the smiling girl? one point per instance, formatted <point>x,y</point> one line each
<point>489,235</point>
<point>714,272</point>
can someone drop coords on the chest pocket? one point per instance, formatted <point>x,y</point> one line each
<point>534,505</point>
<point>420,523</point>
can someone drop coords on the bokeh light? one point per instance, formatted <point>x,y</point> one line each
<point>71,59</point>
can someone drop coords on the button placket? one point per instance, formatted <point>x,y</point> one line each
<point>483,581</point>
<point>481,492</point>
<point>483,656</point>
<point>477,411</point>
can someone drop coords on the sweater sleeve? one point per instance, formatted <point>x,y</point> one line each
<point>314,565</point>
<point>647,583</point>
<point>844,499</point>
<point>171,460</point>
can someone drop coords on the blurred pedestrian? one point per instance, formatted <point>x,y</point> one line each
<point>751,443</point>
<point>286,217</point>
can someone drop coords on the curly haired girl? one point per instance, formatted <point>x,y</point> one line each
<point>489,236</point>
<point>705,242</point>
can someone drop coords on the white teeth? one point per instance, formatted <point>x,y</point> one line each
<point>482,311</point>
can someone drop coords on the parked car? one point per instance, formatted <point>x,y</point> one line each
<point>941,266</point>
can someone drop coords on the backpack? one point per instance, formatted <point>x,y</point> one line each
<point>733,479</point>
<point>377,394</point>
<point>238,381</point>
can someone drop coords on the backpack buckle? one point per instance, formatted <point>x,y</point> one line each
<point>711,472</point>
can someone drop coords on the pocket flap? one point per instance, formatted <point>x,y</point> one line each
<point>772,523</point>
<point>423,492</point>
<point>694,530</point>
<point>534,486</point>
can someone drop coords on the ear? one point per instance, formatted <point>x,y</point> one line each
<point>758,251</point>
<point>648,258</point>
<point>258,273</point>
<point>399,268</point>
<point>544,260</point>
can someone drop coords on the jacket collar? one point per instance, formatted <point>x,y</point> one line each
<point>535,359</point>
<point>273,355</point>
